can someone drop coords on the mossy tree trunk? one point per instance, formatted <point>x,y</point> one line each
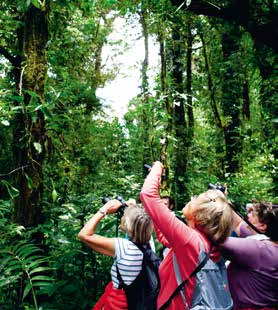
<point>190,115</point>
<point>179,121</point>
<point>231,101</point>
<point>146,121</point>
<point>29,131</point>
<point>165,182</point>
<point>214,108</point>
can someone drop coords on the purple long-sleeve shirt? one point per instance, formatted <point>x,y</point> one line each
<point>253,271</point>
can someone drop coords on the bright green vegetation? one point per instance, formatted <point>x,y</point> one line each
<point>212,117</point>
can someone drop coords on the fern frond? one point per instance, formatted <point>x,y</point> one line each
<point>23,262</point>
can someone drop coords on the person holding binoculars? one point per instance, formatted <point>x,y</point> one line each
<point>192,275</point>
<point>128,257</point>
<point>253,270</point>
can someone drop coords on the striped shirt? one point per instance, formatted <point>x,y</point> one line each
<point>128,259</point>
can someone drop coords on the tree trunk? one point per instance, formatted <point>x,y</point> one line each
<point>190,114</point>
<point>213,103</point>
<point>169,110</point>
<point>231,87</point>
<point>246,100</point>
<point>147,153</point>
<point>29,131</point>
<point>179,122</point>
<point>215,109</point>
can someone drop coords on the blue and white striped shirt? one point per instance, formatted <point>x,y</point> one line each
<point>128,259</point>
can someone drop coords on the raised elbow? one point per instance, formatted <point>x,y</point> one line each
<point>81,236</point>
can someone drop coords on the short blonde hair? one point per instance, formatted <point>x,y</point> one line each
<point>139,225</point>
<point>213,215</point>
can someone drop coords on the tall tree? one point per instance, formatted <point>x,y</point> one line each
<point>189,44</point>
<point>214,103</point>
<point>146,141</point>
<point>179,120</point>
<point>231,103</point>
<point>29,66</point>
<point>167,103</point>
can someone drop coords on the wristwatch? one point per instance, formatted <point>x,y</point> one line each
<point>102,210</point>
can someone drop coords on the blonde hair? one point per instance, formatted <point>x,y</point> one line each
<point>213,215</point>
<point>139,226</point>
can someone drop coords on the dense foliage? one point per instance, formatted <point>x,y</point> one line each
<point>209,115</point>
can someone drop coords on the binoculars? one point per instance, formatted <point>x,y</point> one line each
<point>217,186</point>
<point>122,208</point>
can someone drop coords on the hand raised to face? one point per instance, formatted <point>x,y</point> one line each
<point>112,206</point>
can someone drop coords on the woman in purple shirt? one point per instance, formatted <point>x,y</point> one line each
<point>253,271</point>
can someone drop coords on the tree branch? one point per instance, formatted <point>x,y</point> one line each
<point>238,12</point>
<point>8,56</point>
<point>13,171</point>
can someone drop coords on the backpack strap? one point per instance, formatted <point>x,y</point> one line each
<point>119,277</point>
<point>149,257</point>
<point>143,248</point>
<point>179,279</point>
<point>181,283</point>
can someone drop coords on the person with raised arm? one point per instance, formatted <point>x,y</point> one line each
<point>128,254</point>
<point>253,267</point>
<point>192,247</point>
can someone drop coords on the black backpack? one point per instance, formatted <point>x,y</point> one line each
<point>142,293</point>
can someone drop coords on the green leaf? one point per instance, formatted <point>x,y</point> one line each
<point>41,284</point>
<point>38,107</point>
<point>26,290</point>
<point>38,147</point>
<point>13,267</point>
<point>13,192</point>
<point>46,112</point>
<point>29,92</point>
<point>37,263</point>
<point>5,281</point>
<point>45,278</point>
<point>18,98</point>
<point>26,248</point>
<point>39,269</point>
<point>29,181</point>
<point>5,123</point>
<point>36,3</point>
<point>54,195</point>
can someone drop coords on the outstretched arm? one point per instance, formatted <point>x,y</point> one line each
<point>243,251</point>
<point>175,232</point>
<point>99,243</point>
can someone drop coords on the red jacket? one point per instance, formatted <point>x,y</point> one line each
<point>180,238</point>
<point>112,299</point>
